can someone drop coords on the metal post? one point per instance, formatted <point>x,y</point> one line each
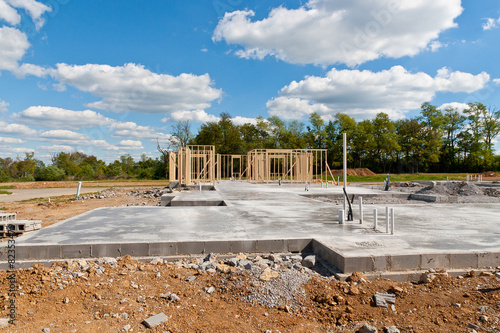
<point>341,216</point>
<point>392,221</point>
<point>375,219</point>
<point>78,190</point>
<point>344,135</point>
<point>360,210</point>
<point>387,219</point>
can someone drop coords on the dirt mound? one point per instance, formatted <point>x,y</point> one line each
<point>453,188</point>
<point>491,174</point>
<point>353,172</point>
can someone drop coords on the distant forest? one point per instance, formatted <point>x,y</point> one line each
<point>434,141</point>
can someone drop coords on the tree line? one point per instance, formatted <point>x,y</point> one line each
<point>434,141</point>
<point>79,166</point>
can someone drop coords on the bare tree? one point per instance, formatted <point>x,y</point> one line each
<point>181,133</point>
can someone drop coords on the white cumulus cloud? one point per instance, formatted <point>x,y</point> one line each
<point>34,9</point>
<point>195,116</point>
<point>327,32</point>
<point>130,145</point>
<point>3,106</point>
<point>13,46</point>
<point>16,129</point>
<point>53,117</point>
<point>61,136</point>
<point>491,23</point>
<point>11,141</point>
<point>9,14</point>
<point>134,88</point>
<point>363,94</point>
<point>454,105</point>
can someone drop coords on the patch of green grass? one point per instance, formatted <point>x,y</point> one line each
<point>7,187</point>
<point>5,192</point>
<point>3,208</point>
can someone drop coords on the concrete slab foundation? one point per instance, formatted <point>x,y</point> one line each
<point>273,218</point>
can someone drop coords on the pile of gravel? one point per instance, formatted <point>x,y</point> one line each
<point>453,189</point>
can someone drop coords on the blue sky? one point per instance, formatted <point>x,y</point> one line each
<point>109,77</point>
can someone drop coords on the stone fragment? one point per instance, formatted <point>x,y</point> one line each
<point>243,262</point>
<point>4,322</point>
<point>156,261</point>
<point>223,268</point>
<point>383,300</point>
<point>174,298</point>
<point>296,258</point>
<point>210,257</point>
<point>66,300</point>
<point>155,320</point>
<point>268,275</point>
<point>367,329</point>
<point>166,295</point>
<point>190,278</point>
<point>391,329</point>
<point>46,330</point>
<point>232,262</point>
<point>309,261</point>
<point>241,256</point>
<point>126,328</point>
<point>125,315</point>
<point>211,290</point>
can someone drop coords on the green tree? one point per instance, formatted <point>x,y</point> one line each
<point>385,140</point>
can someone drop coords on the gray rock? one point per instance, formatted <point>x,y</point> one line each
<point>210,257</point>
<point>174,298</point>
<point>46,330</point>
<point>263,262</point>
<point>367,329</point>
<point>383,300</point>
<point>99,270</point>
<point>166,295</point>
<point>126,328</point>
<point>156,260</point>
<point>211,290</point>
<point>391,329</point>
<point>156,320</point>
<point>190,278</point>
<point>483,309</point>
<point>296,258</point>
<point>243,262</point>
<point>4,322</point>
<point>231,262</point>
<point>309,261</point>
<point>141,299</point>
<point>125,315</point>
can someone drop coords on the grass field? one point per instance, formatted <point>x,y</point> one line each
<point>406,177</point>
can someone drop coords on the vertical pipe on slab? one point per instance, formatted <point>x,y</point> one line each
<point>344,135</point>
<point>341,216</point>
<point>360,210</point>
<point>79,188</point>
<point>392,221</point>
<point>387,219</point>
<point>375,219</point>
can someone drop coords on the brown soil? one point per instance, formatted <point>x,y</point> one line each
<point>354,172</point>
<point>130,292</point>
<point>490,175</point>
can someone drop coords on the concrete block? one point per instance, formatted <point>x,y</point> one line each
<point>401,263</point>
<point>105,250</point>
<point>22,252</point>
<point>75,251</point>
<point>329,255</point>
<point>156,320</point>
<point>45,252</point>
<point>491,259</point>
<point>381,263</point>
<point>437,261</point>
<point>299,245</point>
<point>361,264</point>
<point>271,245</point>
<point>243,246</point>
<point>217,247</point>
<point>190,247</point>
<point>135,249</point>
<point>163,249</point>
<point>464,260</point>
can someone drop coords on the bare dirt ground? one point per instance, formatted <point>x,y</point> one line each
<point>271,293</point>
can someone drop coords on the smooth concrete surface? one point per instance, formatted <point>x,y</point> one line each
<point>427,235</point>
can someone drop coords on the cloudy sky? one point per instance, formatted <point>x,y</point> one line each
<point>110,77</point>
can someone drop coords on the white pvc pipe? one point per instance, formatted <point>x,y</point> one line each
<point>392,221</point>
<point>387,219</point>
<point>341,216</point>
<point>360,210</point>
<point>78,189</point>
<point>375,219</point>
<point>200,186</point>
